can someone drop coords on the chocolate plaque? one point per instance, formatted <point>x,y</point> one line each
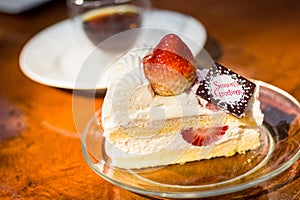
<point>226,89</point>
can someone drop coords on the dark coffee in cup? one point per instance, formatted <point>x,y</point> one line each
<point>102,23</point>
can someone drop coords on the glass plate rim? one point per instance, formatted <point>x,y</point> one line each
<point>198,194</point>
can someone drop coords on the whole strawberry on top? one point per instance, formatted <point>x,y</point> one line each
<point>171,67</point>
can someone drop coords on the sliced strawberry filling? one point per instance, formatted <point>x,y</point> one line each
<point>203,136</point>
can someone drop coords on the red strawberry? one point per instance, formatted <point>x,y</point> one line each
<point>171,67</point>
<point>203,137</point>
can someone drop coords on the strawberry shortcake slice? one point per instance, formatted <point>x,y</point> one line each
<point>162,110</point>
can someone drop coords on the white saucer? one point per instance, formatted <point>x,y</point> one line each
<point>47,56</point>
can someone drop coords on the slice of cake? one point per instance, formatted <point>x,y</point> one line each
<point>160,110</point>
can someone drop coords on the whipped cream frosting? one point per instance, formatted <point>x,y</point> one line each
<point>178,151</point>
<point>130,100</point>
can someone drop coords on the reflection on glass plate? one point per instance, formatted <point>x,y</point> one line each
<point>53,57</point>
<point>280,136</point>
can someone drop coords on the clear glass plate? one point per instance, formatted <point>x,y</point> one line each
<point>279,150</point>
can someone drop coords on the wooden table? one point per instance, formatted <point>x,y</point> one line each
<point>40,151</point>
